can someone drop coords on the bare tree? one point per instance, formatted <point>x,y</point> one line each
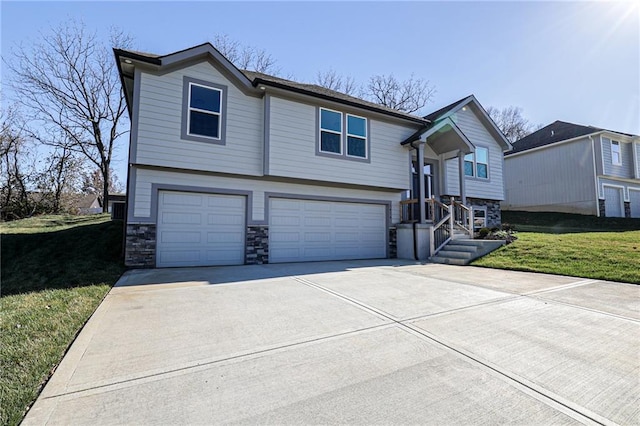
<point>245,57</point>
<point>16,168</point>
<point>92,183</point>
<point>511,122</point>
<point>68,83</point>
<point>334,81</point>
<point>409,95</point>
<point>60,178</point>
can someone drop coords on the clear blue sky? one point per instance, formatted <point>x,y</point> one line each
<point>571,61</point>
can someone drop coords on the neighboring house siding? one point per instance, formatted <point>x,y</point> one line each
<point>292,145</point>
<point>491,188</point>
<point>159,126</point>
<point>622,171</point>
<point>560,178</point>
<point>256,187</point>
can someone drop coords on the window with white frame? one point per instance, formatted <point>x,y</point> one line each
<point>477,164</point>
<point>205,111</point>
<point>356,136</point>
<point>616,157</point>
<point>330,131</point>
<point>479,218</point>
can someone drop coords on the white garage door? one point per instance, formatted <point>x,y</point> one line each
<point>613,202</point>
<point>634,201</point>
<point>305,230</point>
<point>200,229</point>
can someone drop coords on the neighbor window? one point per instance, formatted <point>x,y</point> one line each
<point>343,134</point>
<point>330,131</point>
<point>205,110</point>
<point>356,136</point>
<point>615,153</point>
<point>477,164</point>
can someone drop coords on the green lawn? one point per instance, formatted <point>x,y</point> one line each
<point>564,244</point>
<point>55,272</point>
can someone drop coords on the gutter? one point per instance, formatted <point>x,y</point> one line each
<point>257,81</point>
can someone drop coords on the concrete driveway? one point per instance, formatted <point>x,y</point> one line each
<point>357,342</point>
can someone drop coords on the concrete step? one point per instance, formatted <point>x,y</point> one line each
<point>454,254</point>
<point>461,247</point>
<point>449,261</point>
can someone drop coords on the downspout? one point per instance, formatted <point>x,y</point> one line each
<point>595,175</point>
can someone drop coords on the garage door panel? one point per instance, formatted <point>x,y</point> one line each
<point>634,202</point>
<point>180,237</point>
<point>182,199</point>
<point>200,229</point>
<point>326,231</point>
<point>613,202</point>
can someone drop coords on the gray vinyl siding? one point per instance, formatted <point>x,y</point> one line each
<point>292,148</point>
<point>257,188</point>
<point>559,178</point>
<point>597,144</point>
<point>622,171</point>
<point>159,125</point>
<point>475,131</point>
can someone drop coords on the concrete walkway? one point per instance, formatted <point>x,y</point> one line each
<point>358,342</point>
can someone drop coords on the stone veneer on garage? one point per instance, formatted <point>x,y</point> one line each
<point>257,245</point>
<point>140,245</point>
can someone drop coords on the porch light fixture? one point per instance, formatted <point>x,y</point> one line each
<point>128,61</point>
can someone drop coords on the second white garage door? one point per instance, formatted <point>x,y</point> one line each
<point>197,229</point>
<point>613,206</point>
<point>306,230</point>
<point>634,202</point>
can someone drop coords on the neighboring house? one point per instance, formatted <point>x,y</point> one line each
<point>570,168</point>
<point>236,167</point>
<point>89,204</point>
<point>116,206</point>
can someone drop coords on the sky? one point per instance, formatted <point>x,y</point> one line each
<point>570,61</point>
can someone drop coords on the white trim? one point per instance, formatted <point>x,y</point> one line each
<point>204,111</point>
<point>320,130</point>
<point>619,179</point>
<point>346,139</point>
<point>616,143</point>
<point>635,162</point>
<point>602,153</point>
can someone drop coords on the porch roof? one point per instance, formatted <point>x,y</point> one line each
<point>443,136</point>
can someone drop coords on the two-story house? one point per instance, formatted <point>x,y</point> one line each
<point>570,168</point>
<point>234,167</point>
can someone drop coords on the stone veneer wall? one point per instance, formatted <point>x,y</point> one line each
<point>601,208</point>
<point>140,245</point>
<point>393,242</point>
<point>627,209</point>
<point>257,247</point>
<point>494,214</point>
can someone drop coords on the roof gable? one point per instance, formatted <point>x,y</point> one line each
<point>449,110</point>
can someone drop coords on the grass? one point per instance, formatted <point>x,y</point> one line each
<point>575,245</point>
<point>55,272</point>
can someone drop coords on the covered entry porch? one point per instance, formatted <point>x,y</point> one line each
<point>429,218</point>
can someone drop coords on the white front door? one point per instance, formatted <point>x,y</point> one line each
<point>613,206</point>
<point>196,229</point>
<point>309,230</point>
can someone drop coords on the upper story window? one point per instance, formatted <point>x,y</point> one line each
<point>616,157</point>
<point>477,164</point>
<point>203,111</point>
<point>343,135</point>
<point>330,131</point>
<point>205,106</point>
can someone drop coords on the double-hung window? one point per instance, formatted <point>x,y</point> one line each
<point>477,164</point>
<point>204,106</point>
<point>205,111</point>
<point>330,131</point>
<point>356,136</point>
<point>616,157</point>
<point>343,134</point>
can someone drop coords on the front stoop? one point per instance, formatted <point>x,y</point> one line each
<point>464,251</point>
